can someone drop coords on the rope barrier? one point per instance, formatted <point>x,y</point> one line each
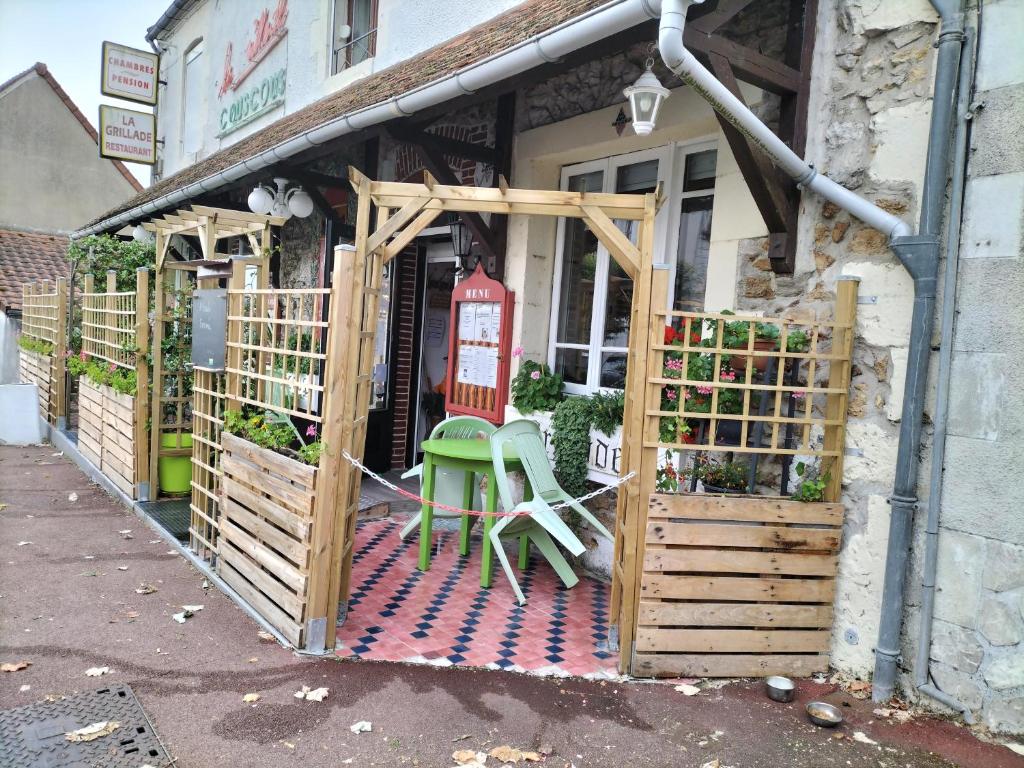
<point>475,512</point>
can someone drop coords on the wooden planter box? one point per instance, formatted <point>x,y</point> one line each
<point>34,368</point>
<point>736,586</point>
<point>106,432</point>
<point>265,524</point>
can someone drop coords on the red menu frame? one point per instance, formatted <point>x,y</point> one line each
<point>473,352</point>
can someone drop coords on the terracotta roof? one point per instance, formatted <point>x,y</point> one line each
<point>28,256</point>
<point>485,40</point>
<point>44,73</point>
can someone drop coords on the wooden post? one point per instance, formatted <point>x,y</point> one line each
<point>839,373</point>
<point>157,388</point>
<point>58,395</point>
<point>631,511</point>
<point>142,483</point>
<point>233,382</point>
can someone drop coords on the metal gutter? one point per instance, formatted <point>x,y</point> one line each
<point>168,16</point>
<point>550,45</point>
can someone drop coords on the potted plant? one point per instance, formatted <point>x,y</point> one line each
<point>722,476</point>
<point>736,335</point>
<point>536,388</point>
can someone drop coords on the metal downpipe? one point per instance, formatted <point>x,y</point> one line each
<point>948,314</point>
<point>920,256</point>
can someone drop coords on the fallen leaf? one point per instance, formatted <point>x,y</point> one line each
<point>716,763</point>
<point>253,660</point>
<point>132,615</point>
<point>363,726</point>
<point>3,507</point>
<point>288,744</point>
<point>89,557</point>
<point>25,688</point>
<point>463,737</point>
<point>250,698</point>
<point>306,693</point>
<point>205,584</point>
<point>862,738</point>
<point>155,541</point>
<point>122,567</point>
<point>145,589</point>
<point>23,543</point>
<point>266,636</point>
<point>72,497</point>
<point>58,453</point>
<point>192,608</point>
<point>468,757</point>
<point>688,690</point>
<point>180,617</point>
<point>507,754</point>
<point>126,533</point>
<point>93,732</point>
<point>97,671</point>
<point>14,666</point>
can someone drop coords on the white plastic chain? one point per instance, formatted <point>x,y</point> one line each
<point>458,510</point>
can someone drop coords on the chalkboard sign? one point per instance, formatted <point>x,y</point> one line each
<point>209,328</point>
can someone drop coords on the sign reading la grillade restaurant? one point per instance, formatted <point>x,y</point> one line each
<point>259,96</point>
<point>127,135</point>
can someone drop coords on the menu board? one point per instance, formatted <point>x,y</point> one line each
<point>478,359</point>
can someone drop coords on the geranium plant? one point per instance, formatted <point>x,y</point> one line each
<point>536,388</point>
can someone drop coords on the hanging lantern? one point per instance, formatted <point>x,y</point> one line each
<point>645,97</point>
<point>462,240</point>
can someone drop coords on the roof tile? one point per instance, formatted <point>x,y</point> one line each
<point>26,257</point>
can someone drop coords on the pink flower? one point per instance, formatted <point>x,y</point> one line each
<point>311,430</point>
<point>670,393</point>
<point>704,390</point>
<point>727,376</point>
<point>798,395</point>
<point>111,367</point>
<point>517,352</point>
<point>82,356</point>
<point>674,365</point>
<point>687,394</point>
<point>535,375</point>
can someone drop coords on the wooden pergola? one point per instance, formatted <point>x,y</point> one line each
<point>403,211</point>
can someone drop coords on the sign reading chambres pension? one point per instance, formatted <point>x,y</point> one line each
<point>129,73</point>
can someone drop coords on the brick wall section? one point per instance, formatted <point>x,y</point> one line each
<point>403,406</point>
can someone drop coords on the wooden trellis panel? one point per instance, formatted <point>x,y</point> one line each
<point>112,425</point>
<point>44,318</point>
<point>736,586</point>
<point>207,423</point>
<point>265,528</point>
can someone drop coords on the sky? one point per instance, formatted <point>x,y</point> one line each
<point>67,36</point>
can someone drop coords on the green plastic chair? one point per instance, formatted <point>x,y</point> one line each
<point>541,523</point>
<point>450,483</point>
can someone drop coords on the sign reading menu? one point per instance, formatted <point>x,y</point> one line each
<point>478,355</point>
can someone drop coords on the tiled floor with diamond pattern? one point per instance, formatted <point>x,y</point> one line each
<point>443,617</point>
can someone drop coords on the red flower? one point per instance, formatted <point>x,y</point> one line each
<point>670,334</point>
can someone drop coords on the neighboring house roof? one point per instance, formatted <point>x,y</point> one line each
<point>44,73</point>
<point>26,257</point>
<point>492,37</point>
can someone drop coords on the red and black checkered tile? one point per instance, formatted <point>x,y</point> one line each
<point>443,617</point>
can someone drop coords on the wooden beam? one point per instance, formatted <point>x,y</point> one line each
<point>395,223</point>
<point>717,15</point>
<point>445,145</point>
<point>621,249</point>
<point>438,166</point>
<point>761,176</point>
<point>504,129</point>
<point>750,65</point>
<point>421,222</point>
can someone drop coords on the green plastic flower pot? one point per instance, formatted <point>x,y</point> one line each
<point>175,471</point>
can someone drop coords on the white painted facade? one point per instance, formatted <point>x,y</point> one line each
<point>304,54</point>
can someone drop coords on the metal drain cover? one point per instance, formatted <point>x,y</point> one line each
<point>33,736</point>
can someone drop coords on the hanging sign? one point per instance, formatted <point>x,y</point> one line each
<point>127,135</point>
<point>479,348</point>
<point>129,73</point>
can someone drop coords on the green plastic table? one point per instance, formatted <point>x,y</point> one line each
<point>473,456</point>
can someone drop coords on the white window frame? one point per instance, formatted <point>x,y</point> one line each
<point>196,50</point>
<point>671,165</point>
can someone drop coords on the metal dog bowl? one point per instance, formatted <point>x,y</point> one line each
<point>780,688</point>
<point>825,715</point>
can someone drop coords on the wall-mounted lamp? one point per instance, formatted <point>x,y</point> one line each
<point>462,240</point>
<point>645,97</point>
<point>293,202</point>
<point>142,235</point>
